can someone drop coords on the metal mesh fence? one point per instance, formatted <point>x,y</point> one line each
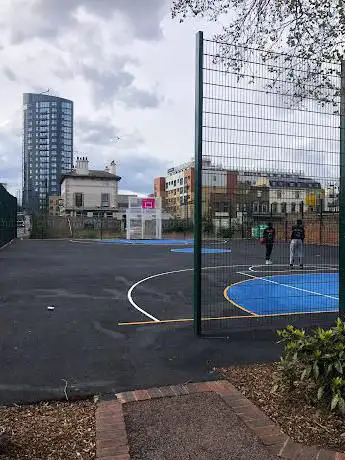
<point>8,216</point>
<point>267,189</point>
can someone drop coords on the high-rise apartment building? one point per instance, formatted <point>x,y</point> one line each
<point>47,147</point>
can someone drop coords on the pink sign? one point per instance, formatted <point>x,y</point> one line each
<point>148,203</point>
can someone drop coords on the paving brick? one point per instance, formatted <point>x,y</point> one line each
<point>233,400</point>
<point>214,386</point>
<point>325,454</point>
<point>221,387</point>
<point>262,421</point>
<point>307,453</point>
<point>292,450</point>
<point>167,391</point>
<point>126,397</point>
<point>155,393</point>
<point>279,439</point>
<point>242,403</point>
<point>340,456</point>
<point>248,412</point>
<point>180,390</point>
<point>142,395</point>
<point>274,448</point>
<point>267,430</point>
<point>115,457</point>
<point>111,436</point>
<point>104,444</point>
<point>114,450</point>
<point>121,398</point>
<point>173,390</point>
<point>198,387</point>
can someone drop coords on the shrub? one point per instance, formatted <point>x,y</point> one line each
<point>178,226</point>
<point>225,232</point>
<point>89,234</point>
<point>315,362</point>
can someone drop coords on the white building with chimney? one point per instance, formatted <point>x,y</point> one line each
<point>87,192</point>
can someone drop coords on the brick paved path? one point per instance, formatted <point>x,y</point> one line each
<point>112,441</point>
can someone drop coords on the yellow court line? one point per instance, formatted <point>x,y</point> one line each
<point>233,302</point>
<point>222,318</point>
<point>181,320</point>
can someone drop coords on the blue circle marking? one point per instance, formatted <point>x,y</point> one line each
<point>203,250</point>
<point>286,294</point>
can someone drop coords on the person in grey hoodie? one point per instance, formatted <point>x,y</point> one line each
<point>297,243</point>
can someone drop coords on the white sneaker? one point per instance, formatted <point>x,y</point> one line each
<point>268,262</point>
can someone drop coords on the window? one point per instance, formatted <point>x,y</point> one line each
<point>293,207</point>
<point>297,195</point>
<point>279,194</point>
<point>105,200</point>
<point>79,200</point>
<point>274,207</point>
<point>283,208</point>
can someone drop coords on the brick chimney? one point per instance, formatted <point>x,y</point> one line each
<point>113,168</point>
<point>82,166</point>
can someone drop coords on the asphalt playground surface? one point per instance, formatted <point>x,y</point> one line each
<point>122,316</point>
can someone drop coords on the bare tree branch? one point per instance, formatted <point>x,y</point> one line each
<point>302,30</point>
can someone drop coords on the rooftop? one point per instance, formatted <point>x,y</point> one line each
<point>92,174</point>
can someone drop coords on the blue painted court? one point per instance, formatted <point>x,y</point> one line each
<point>284,294</point>
<point>148,242</point>
<point>203,250</point>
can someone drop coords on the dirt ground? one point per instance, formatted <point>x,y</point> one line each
<point>193,427</point>
<point>54,431</point>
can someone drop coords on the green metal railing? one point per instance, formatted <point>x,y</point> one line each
<point>268,149</point>
<point>8,216</point>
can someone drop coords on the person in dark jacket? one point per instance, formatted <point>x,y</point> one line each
<point>297,243</point>
<point>268,239</point>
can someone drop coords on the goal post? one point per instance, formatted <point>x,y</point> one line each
<point>144,219</point>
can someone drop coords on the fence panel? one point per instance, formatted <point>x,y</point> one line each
<point>45,226</point>
<point>267,152</point>
<point>8,216</point>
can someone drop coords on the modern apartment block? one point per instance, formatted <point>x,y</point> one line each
<point>47,147</point>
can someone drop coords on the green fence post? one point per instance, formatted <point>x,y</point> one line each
<point>198,182</point>
<point>342,198</point>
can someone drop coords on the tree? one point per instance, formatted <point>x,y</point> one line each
<point>305,33</point>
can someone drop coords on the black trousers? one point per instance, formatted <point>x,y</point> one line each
<point>269,247</point>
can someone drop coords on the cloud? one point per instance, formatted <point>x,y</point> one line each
<point>128,68</point>
<point>8,72</point>
<point>47,19</point>
<point>138,98</point>
<point>97,132</point>
<point>138,170</point>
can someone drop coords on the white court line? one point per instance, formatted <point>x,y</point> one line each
<point>157,275</point>
<point>310,268</point>
<point>288,286</point>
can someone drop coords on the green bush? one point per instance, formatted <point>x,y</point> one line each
<point>178,226</point>
<point>315,362</point>
<point>89,233</point>
<point>207,225</point>
<point>225,232</point>
<point>39,227</point>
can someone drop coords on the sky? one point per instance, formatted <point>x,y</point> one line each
<point>128,67</point>
<point>130,70</point>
